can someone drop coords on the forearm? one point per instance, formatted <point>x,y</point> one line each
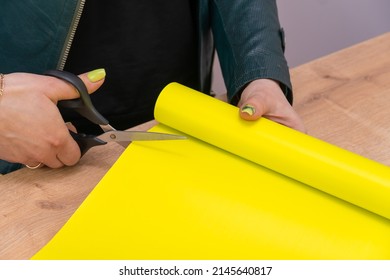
<point>250,44</point>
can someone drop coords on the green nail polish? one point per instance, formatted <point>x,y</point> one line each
<point>249,109</point>
<point>96,75</point>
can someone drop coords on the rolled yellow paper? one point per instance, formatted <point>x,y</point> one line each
<point>336,171</point>
<point>188,199</point>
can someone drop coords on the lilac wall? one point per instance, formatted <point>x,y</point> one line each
<point>315,28</point>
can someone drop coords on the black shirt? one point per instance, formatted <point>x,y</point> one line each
<point>142,46</point>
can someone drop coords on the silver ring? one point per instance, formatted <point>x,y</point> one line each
<point>34,167</point>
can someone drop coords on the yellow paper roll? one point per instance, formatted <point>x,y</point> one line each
<point>188,200</point>
<point>311,161</point>
<point>191,200</point>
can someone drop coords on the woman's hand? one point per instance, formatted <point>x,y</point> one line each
<point>32,130</point>
<point>265,98</point>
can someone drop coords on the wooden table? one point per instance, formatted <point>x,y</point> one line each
<point>343,98</point>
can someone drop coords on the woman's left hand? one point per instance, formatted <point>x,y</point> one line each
<point>264,98</point>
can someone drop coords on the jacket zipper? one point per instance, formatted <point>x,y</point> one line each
<point>71,33</point>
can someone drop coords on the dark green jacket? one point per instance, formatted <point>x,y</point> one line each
<point>36,35</point>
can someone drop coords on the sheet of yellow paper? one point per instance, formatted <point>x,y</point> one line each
<point>194,200</point>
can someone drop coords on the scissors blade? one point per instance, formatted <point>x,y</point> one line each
<point>129,136</point>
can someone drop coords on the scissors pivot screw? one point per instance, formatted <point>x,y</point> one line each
<point>112,136</point>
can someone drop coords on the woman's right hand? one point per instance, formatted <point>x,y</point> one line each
<point>32,130</point>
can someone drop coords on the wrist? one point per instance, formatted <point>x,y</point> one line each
<point>2,77</point>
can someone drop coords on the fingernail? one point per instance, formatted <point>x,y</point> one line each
<point>96,75</point>
<point>249,109</point>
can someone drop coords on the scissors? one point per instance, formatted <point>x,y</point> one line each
<point>85,108</point>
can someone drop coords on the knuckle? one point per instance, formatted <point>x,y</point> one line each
<point>57,140</point>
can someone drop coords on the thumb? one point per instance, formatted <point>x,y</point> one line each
<point>64,90</point>
<point>251,109</point>
<point>93,79</point>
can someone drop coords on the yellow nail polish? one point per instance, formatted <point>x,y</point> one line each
<point>96,75</point>
<point>249,109</point>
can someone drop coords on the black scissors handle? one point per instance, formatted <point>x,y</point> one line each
<point>86,141</point>
<point>83,106</point>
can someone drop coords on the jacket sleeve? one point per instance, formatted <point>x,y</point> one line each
<point>249,43</point>
<point>33,33</point>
